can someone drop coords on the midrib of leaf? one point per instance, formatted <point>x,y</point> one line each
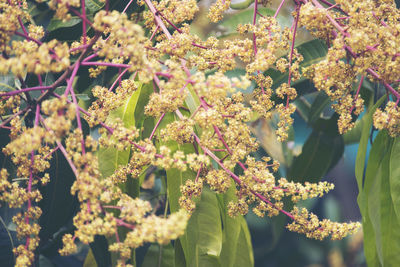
<point>6,85</point>
<point>94,3</point>
<point>123,119</point>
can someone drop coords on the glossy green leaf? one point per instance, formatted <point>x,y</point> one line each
<point>175,177</point>
<point>90,261</point>
<point>94,5</point>
<point>141,119</point>
<point>58,205</point>
<point>159,256</point>
<point>395,175</point>
<point>99,249</point>
<point>145,91</point>
<point>322,150</point>
<point>179,254</point>
<point>354,135</point>
<point>202,242</point>
<point>313,51</point>
<point>241,4</point>
<point>236,246</point>
<point>303,107</point>
<point>111,158</point>
<point>370,252</point>
<point>7,243</point>
<point>231,229</point>
<point>7,83</point>
<point>318,106</point>
<point>192,101</point>
<point>244,255</point>
<point>58,24</point>
<point>372,187</point>
<point>33,10</point>
<point>362,147</point>
<point>390,234</point>
<point>379,201</point>
<point>230,23</point>
<point>371,221</point>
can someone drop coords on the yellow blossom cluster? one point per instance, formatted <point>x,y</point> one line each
<point>260,188</point>
<point>125,42</point>
<point>175,11</point>
<point>365,33</point>
<point>28,56</point>
<point>388,119</point>
<point>108,100</point>
<point>316,20</point>
<point>179,131</point>
<point>217,9</point>
<point>191,189</point>
<point>188,75</point>
<point>62,7</point>
<point>307,223</point>
<point>9,21</point>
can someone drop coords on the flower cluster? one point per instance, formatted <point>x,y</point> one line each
<point>365,33</point>
<point>28,56</point>
<point>194,119</point>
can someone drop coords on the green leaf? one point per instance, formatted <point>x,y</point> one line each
<point>244,257</point>
<point>58,205</point>
<point>313,51</point>
<point>143,120</point>
<point>319,104</point>
<point>303,107</point>
<point>354,135</point>
<point>202,242</point>
<point>7,242</point>
<point>372,187</point>
<point>389,221</point>
<point>99,249</point>
<point>236,246</point>
<point>230,23</point>
<point>7,83</point>
<point>365,199</point>
<point>93,5</point>
<point>379,201</point>
<point>111,158</point>
<point>192,101</point>
<point>395,175</point>
<point>322,150</point>
<point>159,256</point>
<point>241,5</point>
<point>179,254</point>
<point>231,229</point>
<point>362,148</point>
<point>175,177</point>
<point>90,261</point>
<point>58,24</point>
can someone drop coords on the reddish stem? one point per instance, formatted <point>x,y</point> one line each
<point>254,23</point>
<point>156,126</point>
<point>84,19</point>
<point>118,79</point>
<point>357,93</point>
<point>108,64</point>
<point>279,8</point>
<point>29,89</point>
